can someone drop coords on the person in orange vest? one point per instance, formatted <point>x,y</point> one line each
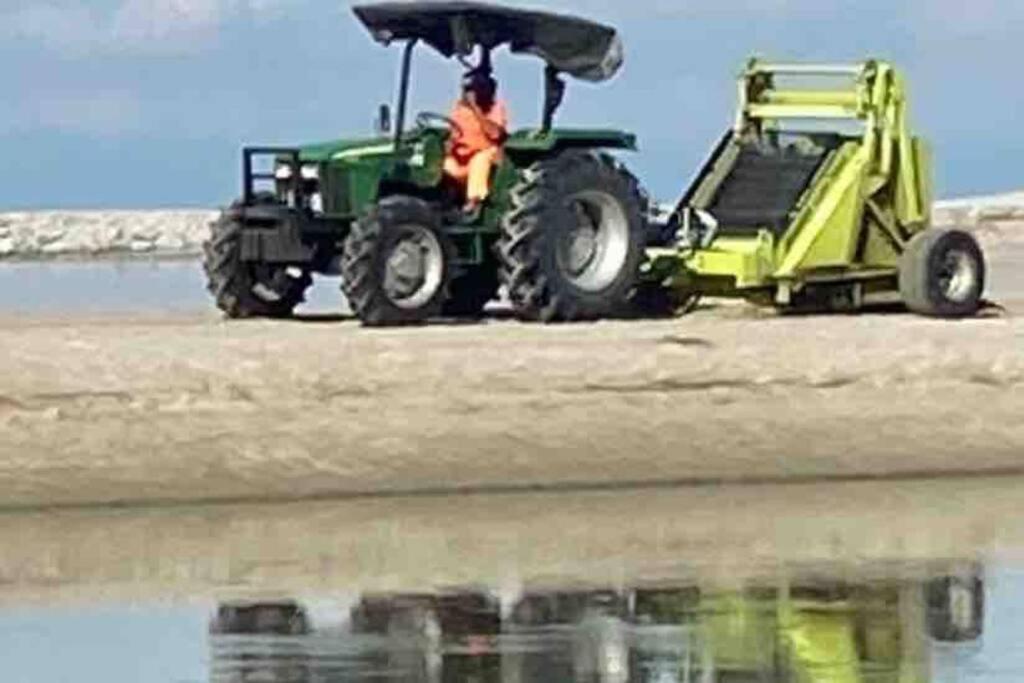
<point>479,130</point>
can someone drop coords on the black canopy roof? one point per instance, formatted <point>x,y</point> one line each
<point>578,47</point>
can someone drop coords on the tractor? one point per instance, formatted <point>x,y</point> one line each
<point>818,198</point>
<point>564,230</point>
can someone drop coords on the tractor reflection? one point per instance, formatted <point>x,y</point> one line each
<point>569,636</point>
<point>432,638</point>
<point>806,632</point>
<point>260,642</point>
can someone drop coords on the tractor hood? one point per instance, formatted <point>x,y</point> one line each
<point>339,150</point>
<point>570,45</point>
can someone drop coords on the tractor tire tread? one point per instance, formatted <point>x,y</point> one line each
<point>361,279</point>
<point>229,280</point>
<point>917,274</point>
<point>536,293</point>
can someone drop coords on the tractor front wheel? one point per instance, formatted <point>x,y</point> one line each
<point>244,289</point>
<point>573,239</point>
<point>396,265</point>
<point>942,274</point>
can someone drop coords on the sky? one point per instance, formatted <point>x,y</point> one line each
<point>147,103</point>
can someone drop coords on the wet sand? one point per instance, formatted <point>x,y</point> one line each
<point>716,536</point>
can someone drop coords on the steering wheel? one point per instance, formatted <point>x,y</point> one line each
<point>425,118</point>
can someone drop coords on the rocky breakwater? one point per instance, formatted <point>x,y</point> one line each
<point>998,219</point>
<point>83,234</point>
<point>180,233</point>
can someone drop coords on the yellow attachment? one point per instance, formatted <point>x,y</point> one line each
<point>825,230</point>
<point>834,98</point>
<point>815,111</point>
<point>750,261</point>
<point>740,632</point>
<point>822,645</point>
<point>870,193</point>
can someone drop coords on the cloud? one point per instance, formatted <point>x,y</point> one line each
<point>160,26</point>
<point>166,22</point>
<point>103,113</point>
<point>135,26</point>
<point>52,26</point>
<point>954,19</point>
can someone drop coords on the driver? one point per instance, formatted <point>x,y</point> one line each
<point>479,129</point>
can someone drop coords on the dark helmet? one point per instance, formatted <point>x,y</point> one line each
<point>479,81</point>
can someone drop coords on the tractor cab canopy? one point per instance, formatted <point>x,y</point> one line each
<point>569,45</point>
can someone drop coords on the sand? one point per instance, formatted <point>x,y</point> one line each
<point>129,409</point>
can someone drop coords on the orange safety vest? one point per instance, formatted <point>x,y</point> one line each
<point>469,138</point>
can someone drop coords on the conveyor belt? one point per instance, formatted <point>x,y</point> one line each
<point>764,187</point>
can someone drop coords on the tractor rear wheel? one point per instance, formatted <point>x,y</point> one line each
<point>942,274</point>
<point>573,239</point>
<point>244,289</point>
<point>396,263</point>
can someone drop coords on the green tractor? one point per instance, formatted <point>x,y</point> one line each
<point>564,229</point>
<point>818,198</point>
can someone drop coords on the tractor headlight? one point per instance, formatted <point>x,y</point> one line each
<point>283,172</point>
<point>310,172</point>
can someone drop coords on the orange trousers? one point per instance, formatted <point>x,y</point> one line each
<point>475,174</point>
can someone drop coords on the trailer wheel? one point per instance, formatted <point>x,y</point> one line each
<point>249,290</point>
<point>396,265</point>
<point>942,274</point>
<point>573,240</point>
<point>956,609</point>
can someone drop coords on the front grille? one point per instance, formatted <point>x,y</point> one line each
<point>337,193</point>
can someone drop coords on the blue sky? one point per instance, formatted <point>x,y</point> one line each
<point>145,103</point>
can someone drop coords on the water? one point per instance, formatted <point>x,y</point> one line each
<point>116,643</point>
<point>101,287</point>
<point>663,634</point>
<point>517,588</point>
<point>133,286</point>
<point>129,286</point>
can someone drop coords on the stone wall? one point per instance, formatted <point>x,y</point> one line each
<point>48,234</point>
<point>180,233</point>
<point>995,219</point>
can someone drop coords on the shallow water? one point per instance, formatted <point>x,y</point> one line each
<point>570,633</point>
<point>130,286</point>
<point>127,286</point>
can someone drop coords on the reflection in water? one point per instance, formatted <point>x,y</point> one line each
<point>452,637</point>
<point>637,586</point>
<point>261,641</point>
<point>806,632</point>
